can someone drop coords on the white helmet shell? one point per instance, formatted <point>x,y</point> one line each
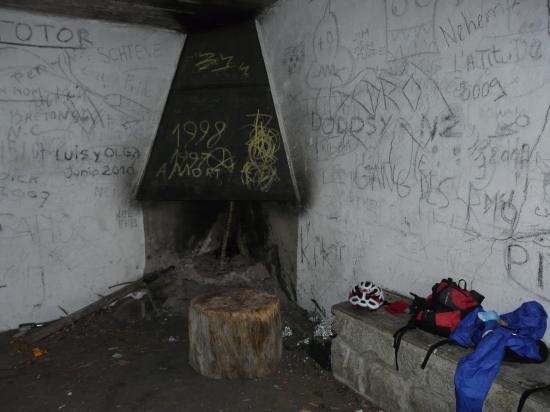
<point>366,295</point>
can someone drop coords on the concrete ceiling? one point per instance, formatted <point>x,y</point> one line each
<point>174,14</point>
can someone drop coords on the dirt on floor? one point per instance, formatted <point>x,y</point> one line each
<point>134,357</point>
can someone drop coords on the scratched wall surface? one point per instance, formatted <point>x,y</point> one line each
<point>419,130</point>
<point>80,102</point>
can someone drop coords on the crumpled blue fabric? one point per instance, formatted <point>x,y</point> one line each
<point>476,371</point>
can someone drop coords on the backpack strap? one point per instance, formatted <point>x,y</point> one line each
<point>397,336</point>
<point>432,348</point>
<point>528,393</point>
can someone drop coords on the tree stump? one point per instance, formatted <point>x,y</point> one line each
<point>235,333</point>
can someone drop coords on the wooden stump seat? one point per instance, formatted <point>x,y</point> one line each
<point>235,333</point>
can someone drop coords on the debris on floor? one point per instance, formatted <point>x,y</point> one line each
<point>323,329</point>
<point>143,328</point>
<point>38,352</point>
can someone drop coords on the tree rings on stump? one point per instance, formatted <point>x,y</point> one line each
<point>235,333</point>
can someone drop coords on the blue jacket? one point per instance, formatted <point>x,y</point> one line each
<point>476,371</point>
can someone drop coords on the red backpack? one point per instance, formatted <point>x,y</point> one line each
<point>441,312</point>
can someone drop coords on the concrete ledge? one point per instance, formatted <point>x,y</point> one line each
<point>363,359</point>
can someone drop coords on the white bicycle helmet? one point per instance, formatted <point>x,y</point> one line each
<point>366,295</point>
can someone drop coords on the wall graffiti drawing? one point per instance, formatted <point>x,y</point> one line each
<point>422,128</point>
<point>79,105</point>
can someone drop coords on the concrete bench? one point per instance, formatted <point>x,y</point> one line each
<point>363,359</point>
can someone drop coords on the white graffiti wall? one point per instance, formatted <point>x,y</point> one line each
<point>80,102</point>
<point>420,137</point>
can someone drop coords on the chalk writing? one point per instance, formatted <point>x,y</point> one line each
<point>46,228</point>
<point>293,58</point>
<point>380,176</point>
<point>260,170</point>
<point>407,36</point>
<point>196,132</point>
<point>509,51</point>
<point>43,35</point>
<point>96,154</point>
<point>77,110</point>
<point>127,218</point>
<point>106,170</point>
<point>455,33</point>
<point>333,64</point>
<point>101,191</point>
<point>317,252</point>
<point>214,161</point>
<point>129,52</point>
<point>424,126</point>
<point>365,47</point>
<point>17,194</point>
<point>527,258</point>
<point>509,128</point>
<point>479,90</point>
<point>218,62</point>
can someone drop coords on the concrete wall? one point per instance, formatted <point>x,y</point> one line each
<point>420,140</point>
<point>80,101</point>
<point>282,238</point>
